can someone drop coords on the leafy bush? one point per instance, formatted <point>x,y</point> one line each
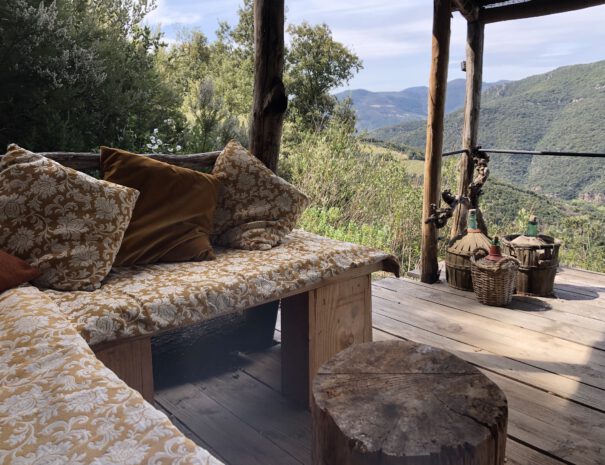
<point>356,195</point>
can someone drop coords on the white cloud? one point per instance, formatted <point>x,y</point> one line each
<point>167,13</point>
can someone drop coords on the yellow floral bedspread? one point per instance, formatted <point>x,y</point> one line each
<point>60,405</point>
<point>146,299</point>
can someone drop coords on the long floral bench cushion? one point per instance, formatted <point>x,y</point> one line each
<point>59,404</point>
<point>147,299</point>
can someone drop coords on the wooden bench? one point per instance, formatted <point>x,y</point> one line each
<point>318,320</point>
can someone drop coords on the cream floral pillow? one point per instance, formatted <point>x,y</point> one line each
<point>66,223</point>
<point>256,208</point>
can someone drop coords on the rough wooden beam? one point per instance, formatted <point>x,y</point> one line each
<point>474,77</point>
<point>534,8</point>
<point>434,136</point>
<point>269,100</point>
<point>467,8</point>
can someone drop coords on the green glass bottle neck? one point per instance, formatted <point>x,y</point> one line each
<point>472,221</point>
<point>532,229</point>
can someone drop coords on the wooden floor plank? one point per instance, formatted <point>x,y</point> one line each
<point>541,379</point>
<point>551,322</point>
<point>264,410</point>
<point>566,306</point>
<point>548,423</point>
<point>519,454</point>
<point>237,442</point>
<point>543,351</point>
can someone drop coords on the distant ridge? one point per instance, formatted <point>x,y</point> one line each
<point>560,110</point>
<point>379,109</point>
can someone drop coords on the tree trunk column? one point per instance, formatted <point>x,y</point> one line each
<point>402,403</point>
<point>434,136</point>
<point>269,99</point>
<point>472,106</point>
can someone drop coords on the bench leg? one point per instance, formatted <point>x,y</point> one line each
<point>317,325</point>
<point>132,362</point>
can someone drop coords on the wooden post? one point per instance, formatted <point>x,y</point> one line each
<point>434,136</point>
<point>472,106</point>
<point>269,100</point>
<point>317,325</point>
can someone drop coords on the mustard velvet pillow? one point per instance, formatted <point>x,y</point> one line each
<point>61,221</point>
<point>172,220</point>
<point>256,208</point>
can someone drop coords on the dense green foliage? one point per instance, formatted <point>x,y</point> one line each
<point>560,110</point>
<point>68,69</point>
<point>81,73</point>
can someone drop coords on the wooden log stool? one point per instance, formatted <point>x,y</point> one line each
<point>398,402</point>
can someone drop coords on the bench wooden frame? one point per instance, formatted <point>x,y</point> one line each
<point>318,320</point>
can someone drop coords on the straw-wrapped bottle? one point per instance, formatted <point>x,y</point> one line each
<point>458,255</point>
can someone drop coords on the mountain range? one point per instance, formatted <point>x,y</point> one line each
<point>379,109</point>
<point>560,110</point>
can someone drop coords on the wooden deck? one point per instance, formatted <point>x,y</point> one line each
<point>548,355</point>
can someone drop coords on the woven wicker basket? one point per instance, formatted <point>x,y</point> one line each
<point>493,282</point>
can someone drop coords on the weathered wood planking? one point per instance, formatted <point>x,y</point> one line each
<point>548,423</point>
<point>573,328</point>
<point>235,441</point>
<point>131,361</point>
<point>317,326</point>
<point>535,349</point>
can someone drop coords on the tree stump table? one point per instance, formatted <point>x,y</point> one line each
<point>398,402</point>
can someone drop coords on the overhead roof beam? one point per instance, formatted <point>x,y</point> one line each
<point>467,8</point>
<point>534,8</point>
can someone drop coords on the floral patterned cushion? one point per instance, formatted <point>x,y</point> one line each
<point>146,299</point>
<point>66,223</point>
<point>60,405</point>
<point>256,208</point>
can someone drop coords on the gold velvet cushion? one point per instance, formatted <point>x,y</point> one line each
<point>14,271</point>
<point>256,208</point>
<point>172,220</point>
<point>66,223</point>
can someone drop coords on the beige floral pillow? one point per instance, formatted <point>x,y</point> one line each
<point>256,208</point>
<point>66,223</point>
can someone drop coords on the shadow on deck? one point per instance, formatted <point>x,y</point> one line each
<point>548,355</point>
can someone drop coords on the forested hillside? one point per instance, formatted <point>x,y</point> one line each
<point>379,109</point>
<point>560,110</point>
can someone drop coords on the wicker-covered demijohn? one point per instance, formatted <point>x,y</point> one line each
<point>458,255</point>
<point>493,276</point>
<point>538,257</point>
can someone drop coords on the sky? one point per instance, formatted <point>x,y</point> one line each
<point>393,37</point>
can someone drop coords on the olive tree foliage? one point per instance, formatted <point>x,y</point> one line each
<point>315,65</point>
<point>79,73</point>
